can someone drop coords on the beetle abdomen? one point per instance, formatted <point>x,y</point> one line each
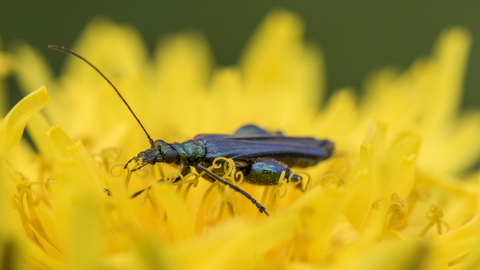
<point>266,172</point>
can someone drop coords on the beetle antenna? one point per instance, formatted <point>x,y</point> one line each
<point>62,49</point>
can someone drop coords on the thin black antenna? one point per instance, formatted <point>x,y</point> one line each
<point>62,49</point>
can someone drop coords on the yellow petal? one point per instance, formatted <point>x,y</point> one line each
<point>405,179</point>
<point>459,147</point>
<point>183,66</point>
<point>83,245</point>
<point>75,167</point>
<point>236,245</point>
<point>150,255</point>
<point>397,255</point>
<point>338,118</point>
<point>320,211</point>
<point>11,128</point>
<point>37,126</point>
<point>178,216</point>
<point>451,55</point>
<point>359,203</point>
<point>455,244</point>
<point>280,69</point>
<point>59,141</point>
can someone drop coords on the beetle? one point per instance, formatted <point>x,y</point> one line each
<point>261,157</point>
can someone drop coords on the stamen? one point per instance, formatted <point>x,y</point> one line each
<point>220,210</point>
<point>200,214</point>
<point>417,195</point>
<point>397,207</point>
<point>30,221</point>
<point>226,198</point>
<point>435,214</point>
<point>306,177</point>
<point>280,190</point>
<point>107,157</point>
<point>332,179</point>
<point>185,194</point>
<point>174,177</point>
<point>266,190</point>
<point>282,184</point>
<point>228,195</point>
<point>127,178</point>
<point>229,170</point>
<point>110,171</point>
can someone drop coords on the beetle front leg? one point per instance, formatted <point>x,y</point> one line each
<point>184,169</point>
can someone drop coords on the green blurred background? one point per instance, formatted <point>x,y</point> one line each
<point>357,37</point>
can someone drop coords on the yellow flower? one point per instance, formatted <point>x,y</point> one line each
<point>395,195</point>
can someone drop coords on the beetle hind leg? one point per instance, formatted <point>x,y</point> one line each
<point>260,207</point>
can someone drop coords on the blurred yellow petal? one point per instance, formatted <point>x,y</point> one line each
<point>180,222</point>
<point>450,61</point>
<point>359,203</point>
<point>338,118</point>
<point>8,243</point>
<point>461,148</point>
<point>75,165</point>
<point>235,245</point>
<point>406,176</point>
<point>11,128</point>
<point>183,67</point>
<point>126,51</point>
<point>83,231</point>
<point>150,256</point>
<point>472,259</point>
<point>59,141</point>
<point>277,64</point>
<point>37,126</point>
<point>399,255</point>
<point>455,244</point>
<point>320,211</point>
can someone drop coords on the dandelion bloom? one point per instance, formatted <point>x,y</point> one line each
<point>395,195</point>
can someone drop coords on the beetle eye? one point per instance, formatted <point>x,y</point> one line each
<point>170,156</point>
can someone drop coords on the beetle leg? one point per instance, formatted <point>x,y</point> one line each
<point>260,207</point>
<point>184,170</point>
<point>139,192</point>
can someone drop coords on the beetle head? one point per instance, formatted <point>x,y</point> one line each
<point>160,152</point>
